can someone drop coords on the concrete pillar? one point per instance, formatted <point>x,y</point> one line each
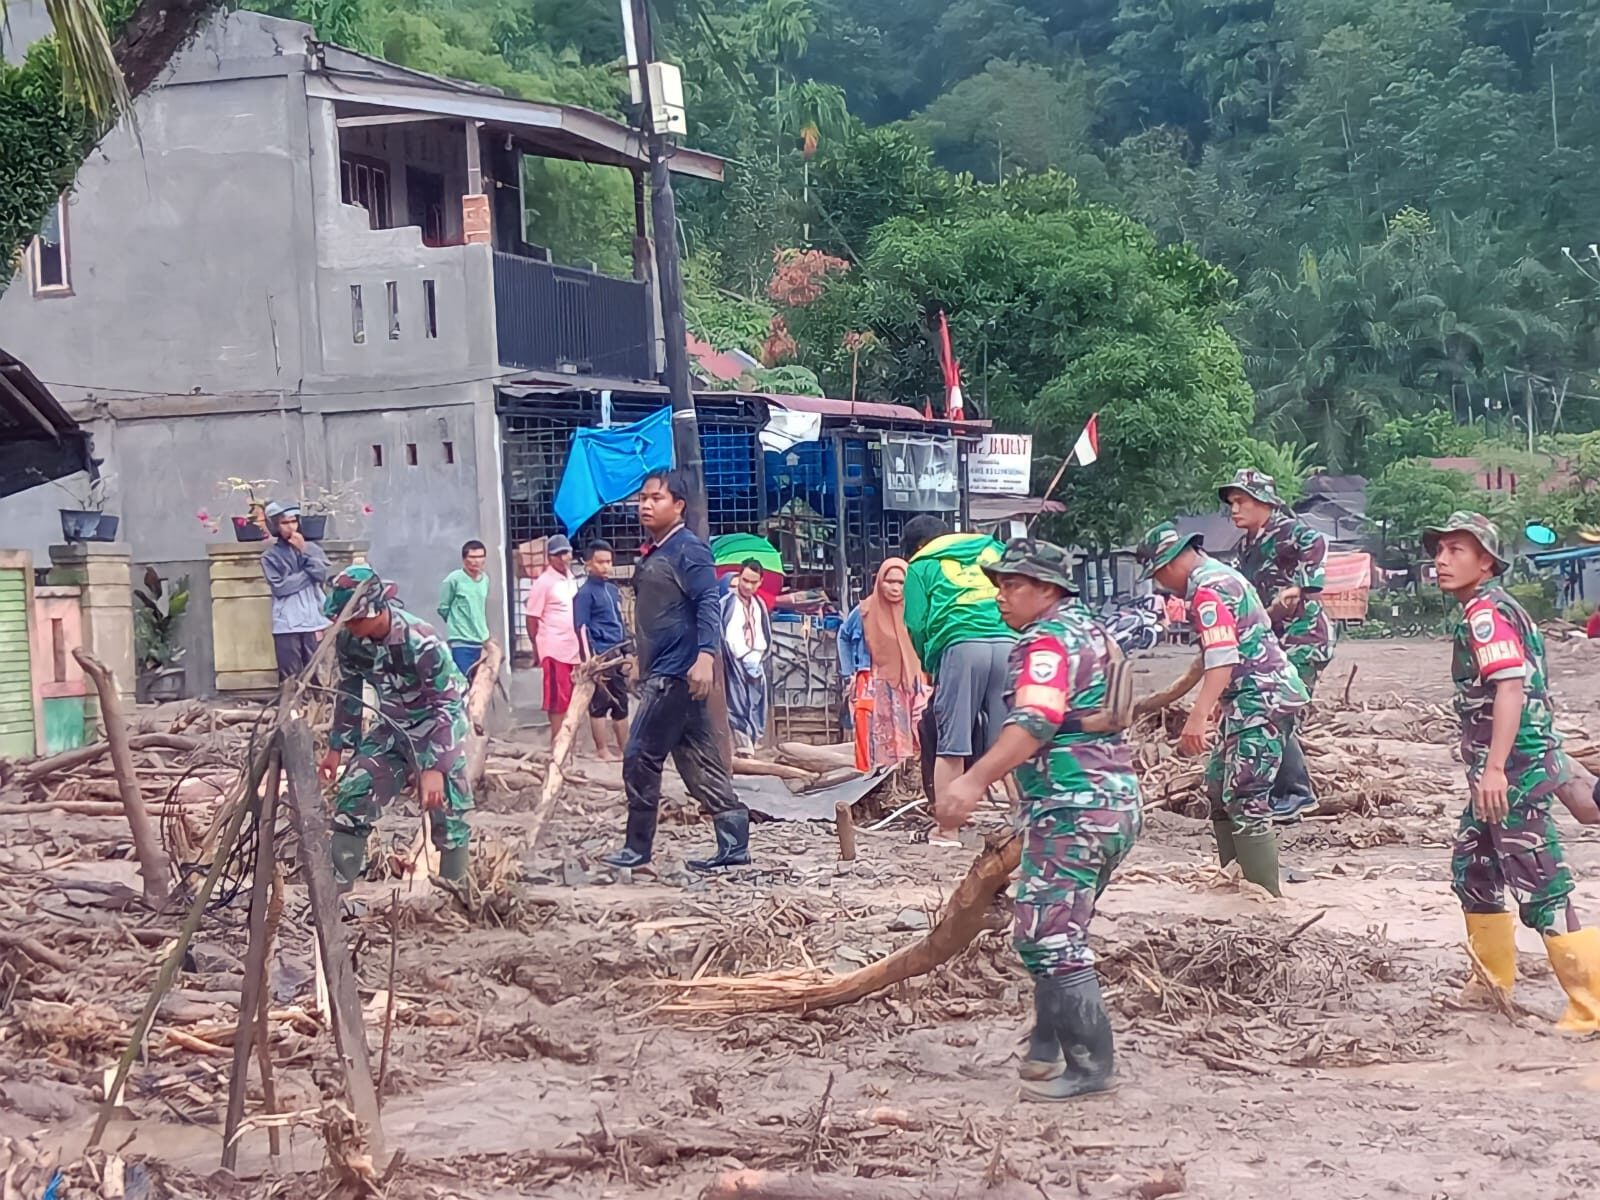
<point>103,574</point>
<point>241,612</point>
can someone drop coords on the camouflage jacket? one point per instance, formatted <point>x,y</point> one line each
<point>1234,631</point>
<point>1497,640</point>
<point>1057,667</point>
<point>418,686</point>
<point>1288,553</point>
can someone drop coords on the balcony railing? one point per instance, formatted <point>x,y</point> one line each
<point>554,318</point>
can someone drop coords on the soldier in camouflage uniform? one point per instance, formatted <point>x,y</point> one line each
<point>419,734</point>
<point>1285,559</point>
<point>1247,677</point>
<point>1507,836</point>
<point>1080,810</point>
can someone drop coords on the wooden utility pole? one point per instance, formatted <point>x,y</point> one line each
<point>669,281</point>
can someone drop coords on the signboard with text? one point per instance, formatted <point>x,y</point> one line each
<point>1001,465</point>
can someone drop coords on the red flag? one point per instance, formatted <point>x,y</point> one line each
<point>1087,447</point>
<point>953,407</point>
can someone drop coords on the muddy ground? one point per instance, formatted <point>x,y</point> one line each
<point>1307,1048</point>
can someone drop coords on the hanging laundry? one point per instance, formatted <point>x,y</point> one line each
<point>607,465</point>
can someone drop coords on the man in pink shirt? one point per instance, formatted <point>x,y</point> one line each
<point>550,629</point>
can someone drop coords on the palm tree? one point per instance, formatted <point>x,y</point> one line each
<point>89,70</point>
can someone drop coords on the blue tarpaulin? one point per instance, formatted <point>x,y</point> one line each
<point>1571,554</point>
<point>607,465</point>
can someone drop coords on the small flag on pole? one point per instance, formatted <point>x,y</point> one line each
<point>1087,447</point>
<point>953,407</point>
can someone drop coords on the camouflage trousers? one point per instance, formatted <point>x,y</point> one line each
<point>1241,771</point>
<point>1071,844</point>
<point>1523,853</point>
<point>382,768</point>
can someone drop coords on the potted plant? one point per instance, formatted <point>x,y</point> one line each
<point>156,619</point>
<point>253,526</point>
<point>319,506</point>
<point>88,522</point>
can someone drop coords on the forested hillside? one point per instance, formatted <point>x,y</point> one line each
<point>1398,195</point>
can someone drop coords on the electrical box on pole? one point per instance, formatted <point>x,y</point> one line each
<point>666,100</point>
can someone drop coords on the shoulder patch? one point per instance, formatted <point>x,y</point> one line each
<point>1481,625</point>
<point>1206,613</point>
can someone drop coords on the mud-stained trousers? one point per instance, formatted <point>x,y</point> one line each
<point>1072,842</point>
<point>1522,853</point>
<point>667,722</point>
<point>383,766</point>
<point>1240,774</point>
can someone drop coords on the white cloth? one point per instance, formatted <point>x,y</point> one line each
<point>746,634</point>
<point>784,429</point>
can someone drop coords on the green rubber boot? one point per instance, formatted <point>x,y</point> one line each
<point>1223,828</point>
<point>1258,859</point>
<point>349,858</point>
<point>453,863</point>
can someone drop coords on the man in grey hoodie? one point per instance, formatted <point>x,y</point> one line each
<point>295,569</point>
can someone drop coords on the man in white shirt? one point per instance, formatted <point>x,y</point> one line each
<point>746,646</point>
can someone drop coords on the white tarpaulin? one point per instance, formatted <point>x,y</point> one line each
<point>1001,465</point>
<point>784,429</point>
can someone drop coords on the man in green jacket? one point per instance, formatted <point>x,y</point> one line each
<point>964,645</point>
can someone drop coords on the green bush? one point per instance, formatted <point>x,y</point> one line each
<point>1538,596</point>
<point>1578,612</point>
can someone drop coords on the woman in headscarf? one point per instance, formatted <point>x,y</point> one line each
<point>876,659</point>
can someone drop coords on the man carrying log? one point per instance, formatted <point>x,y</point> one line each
<point>1080,810</point>
<point>1247,680</point>
<point>1285,559</point>
<point>420,733</point>
<point>1515,768</point>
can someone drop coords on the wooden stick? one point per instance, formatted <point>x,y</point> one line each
<point>311,822</point>
<point>180,945</point>
<point>479,696</point>
<point>265,805</point>
<point>756,766</point>
<point>153,866</point>
<point>269,1087</point>
<point>40,768</point>
<point>36,950</point>
<point>583,684</point>
<point>845,820</point>
<point>1179,689</point>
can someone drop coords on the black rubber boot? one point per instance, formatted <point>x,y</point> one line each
<point>636,846</point>
<point>349,853</point>
<point>1077,1012</point>
<point>733,842</point>
<point>1045,1059</point>
<point>454,863</point>
<point>1291,791</point>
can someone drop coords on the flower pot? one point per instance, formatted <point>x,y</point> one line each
<point>246,530</point>
<point>161,685</point>
<point>82,525</point>
<point>314,527</point>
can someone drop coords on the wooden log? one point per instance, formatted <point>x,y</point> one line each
<point>582,689</point>
<point>311,823</point>
<point>1171,695</point>
<point>36,950</point>
<point>964,917</point>
<point>845,821</point>
<point>38,769</point>
<point>818,759</point>
<point>755,766</point>
<point>773,1185</point>
<point>85,808</point>
<point>479,696</point>
<point>153,866</point>
<point>255,959</point>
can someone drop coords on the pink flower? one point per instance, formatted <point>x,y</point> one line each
<point>366,510</point>
<point>203,515</point>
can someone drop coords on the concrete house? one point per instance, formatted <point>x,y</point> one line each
<point>309,265</point>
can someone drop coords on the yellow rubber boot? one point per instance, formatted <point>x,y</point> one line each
<point>1493,939</point>
<point>1576,959</point>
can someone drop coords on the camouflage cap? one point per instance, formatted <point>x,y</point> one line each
<point>1034,559</point>
<point>1479,526</point>
<point>1258,485</point>
<point>1161,545</point>
<point>375,593</point>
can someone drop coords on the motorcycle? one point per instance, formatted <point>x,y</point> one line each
<point>1134,621</point>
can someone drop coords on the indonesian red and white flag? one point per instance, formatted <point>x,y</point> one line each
<point>1087,447</point>
<point>954,409</point>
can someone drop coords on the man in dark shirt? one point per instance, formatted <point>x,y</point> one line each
<point>597,616</point>
<point>679,634</point>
